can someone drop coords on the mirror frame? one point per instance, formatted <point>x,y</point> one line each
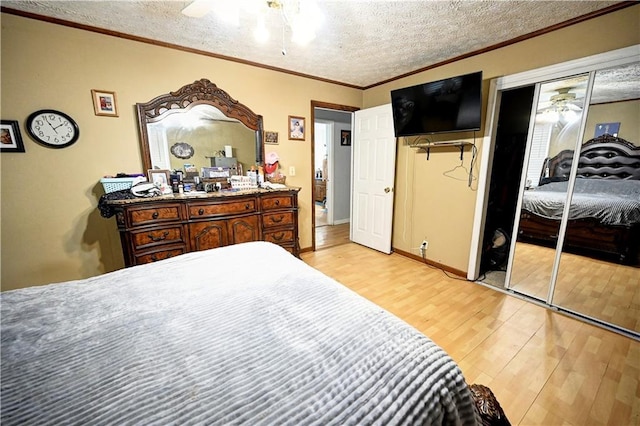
<point>200,92</point>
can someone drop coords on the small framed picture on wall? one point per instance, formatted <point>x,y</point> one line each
<point>296,128</point>
<point>345,137</point>
<point>10,138</point>
<point>104,103</point>
<point>607,129</point>
<point>271,137</point>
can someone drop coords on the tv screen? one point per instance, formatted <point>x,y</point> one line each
<point>449,105</point>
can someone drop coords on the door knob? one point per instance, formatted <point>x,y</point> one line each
<point>387,189</point>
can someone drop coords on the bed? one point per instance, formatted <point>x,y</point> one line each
<point>604,217</point>
<point>203,339</point>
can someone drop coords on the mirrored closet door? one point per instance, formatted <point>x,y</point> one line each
<point>574,240</point>
<point>603,282</point>
<point>556,122</point>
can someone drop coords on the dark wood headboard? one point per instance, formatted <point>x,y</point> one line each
<point>604,157</point>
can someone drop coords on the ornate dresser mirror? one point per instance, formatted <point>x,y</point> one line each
<point>196,124</point>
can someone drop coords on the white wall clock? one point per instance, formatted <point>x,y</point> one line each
<point>52,128</point>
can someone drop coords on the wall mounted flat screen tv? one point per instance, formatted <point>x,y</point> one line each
<point>450,105</point>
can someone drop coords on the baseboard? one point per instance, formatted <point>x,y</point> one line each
<point>454,271</point>
<point>341,221</point>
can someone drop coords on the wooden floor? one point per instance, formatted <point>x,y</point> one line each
<point>329,235</point>
<point>545,368</point>
<point>603,290</point>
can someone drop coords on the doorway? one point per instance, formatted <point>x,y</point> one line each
<point>510,144</point>
<point>331,168</point>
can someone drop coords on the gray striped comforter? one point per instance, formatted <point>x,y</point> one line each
<point>245,334</point>
<point>612,202</point>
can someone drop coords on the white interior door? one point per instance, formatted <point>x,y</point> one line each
<point>374,163</point>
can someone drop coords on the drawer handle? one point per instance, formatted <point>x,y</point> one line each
<point>247,206</point>
<point>155,239</point>
<point>156,258</point>
<point>277,202</point>
<point>277,220</point>
<point>155,215</point>
<point>279,236</point>
<point>201,212</point>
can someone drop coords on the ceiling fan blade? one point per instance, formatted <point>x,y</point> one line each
<point>198,8</point>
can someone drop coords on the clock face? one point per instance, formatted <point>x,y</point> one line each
<point>52,128</point>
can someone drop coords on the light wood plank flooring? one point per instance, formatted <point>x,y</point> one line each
<point>329,235</point>
<point>321,215</point>
<point>545,368</point>
<point>596,288</point>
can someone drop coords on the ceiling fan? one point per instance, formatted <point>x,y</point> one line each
<point>303,17</point>
<point>199,8</point>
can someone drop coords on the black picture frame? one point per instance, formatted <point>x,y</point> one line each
<point>345,137</point>
<point>10,137</point>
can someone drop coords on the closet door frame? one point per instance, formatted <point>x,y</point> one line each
<point>584,65</point>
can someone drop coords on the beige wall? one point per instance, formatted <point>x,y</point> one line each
<point>51,229</point>
<point>626,113</point>
<point>432,198</point>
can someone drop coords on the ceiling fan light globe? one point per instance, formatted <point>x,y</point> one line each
<point>551,116</point>
<point>301,34</point>
<point>228,12</point>
<point>570,115</point>
<point>261,34</point>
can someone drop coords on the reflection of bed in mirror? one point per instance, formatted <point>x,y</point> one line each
<point>604,218</point>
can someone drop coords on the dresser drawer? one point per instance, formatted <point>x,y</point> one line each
<point>277,202</point>
<point>279,237</point>
<point>272,220</point>
<point>154,215</point>
<point>290,247</point>
<point>209,210</point>
<point>154,256</point>
<point>158,236</point>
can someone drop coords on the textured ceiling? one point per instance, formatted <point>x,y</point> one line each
<point>361,43</point>
<point>615,84</point>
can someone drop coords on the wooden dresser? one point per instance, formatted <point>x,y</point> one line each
<point>160,227</point>
<point>321,190</point>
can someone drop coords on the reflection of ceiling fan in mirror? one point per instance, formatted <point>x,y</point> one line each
<point>565,99</point>
<point>562,106</point>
